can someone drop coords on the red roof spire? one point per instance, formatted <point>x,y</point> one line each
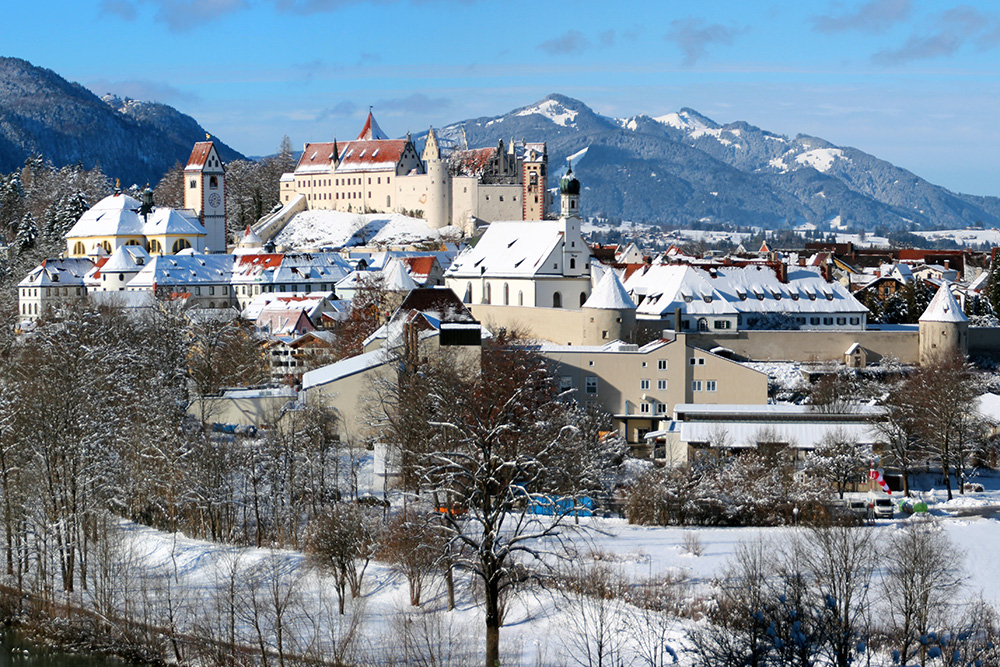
<point>371,130</point>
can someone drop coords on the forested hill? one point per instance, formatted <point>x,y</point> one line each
<point>42,113</point>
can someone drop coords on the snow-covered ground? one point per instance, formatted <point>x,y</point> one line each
<point>964,237</point>
<point>315,229</point>
<point>542,626</point>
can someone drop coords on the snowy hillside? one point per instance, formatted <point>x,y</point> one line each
<point>311,230</point>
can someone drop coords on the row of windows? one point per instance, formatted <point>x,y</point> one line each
<point>501,198</point>
<point>661,364</point>
<point>645,408</point>
<point>661,384</point>
<point>153,247</point>
<point>49,291</point>
<point>706,385</point>
<point>213,182</point>
<point>325,182</point>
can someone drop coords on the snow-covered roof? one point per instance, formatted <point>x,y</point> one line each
<point>167,270</point>
<point>344,368</point>
<point>170,221</point>
<point>115,215</point>
<point>313,303</point>
<point>794,425</point>
<point>397,278</point>
<point>126,259</point>
<point>515,249</point>
<point>64,271</point>
<point>609,294</point>
<point>730,290</point>
<point>943,307</point>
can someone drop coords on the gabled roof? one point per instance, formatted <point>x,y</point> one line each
<point>381,155</point>
<point>397,278</point>
<point>199,156</point>
<point>64,271</point>
<point>943,307</point>
<point>516,249</point>
<point>126,259</point>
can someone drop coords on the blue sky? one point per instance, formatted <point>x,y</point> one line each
<point>915,83</point>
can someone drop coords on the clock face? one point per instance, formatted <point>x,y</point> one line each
<point>214,200</point>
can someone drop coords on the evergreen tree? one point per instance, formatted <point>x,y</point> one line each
<point>27,234</point>
<point>993,288</point>
<point>61,216</point>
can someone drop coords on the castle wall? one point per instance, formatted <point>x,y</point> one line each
<point>563,326</point>
<point>812,346</point>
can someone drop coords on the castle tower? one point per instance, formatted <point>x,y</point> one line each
<point>610,312</point>
<point>943,328</point>
<point>205,193</point>
<point>535,161</point>
<point>438,211</point>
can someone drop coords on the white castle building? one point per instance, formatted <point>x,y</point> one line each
<point>375,174</point>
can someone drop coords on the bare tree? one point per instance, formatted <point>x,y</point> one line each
<point>921,578</point>
<point>839,459</point>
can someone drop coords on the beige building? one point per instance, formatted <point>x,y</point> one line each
<point>640,386</point>
<point>375,174</point>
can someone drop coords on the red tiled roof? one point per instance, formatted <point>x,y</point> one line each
<point>199,155</point>
<point>419,266</point>
<point>355,154</point>
<point>472,162</point>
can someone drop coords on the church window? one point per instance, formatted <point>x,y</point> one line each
<point>572,262</point>
<point>193,184</point>
<point>106,245</point>
<point>583,298</point>
<point>468,293</point>
<point>121,277</point>
<point>506,294</point>
<point>180,244</point>
<point>213,182</point>
<point>520,298</point>
<point>79,248</point>
<point>557,300</point>
<point>488,294</point>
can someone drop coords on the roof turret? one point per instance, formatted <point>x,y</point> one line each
<point>569,185</point>
<point>943,307</point>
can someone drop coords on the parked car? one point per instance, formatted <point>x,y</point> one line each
<point>884,508</point>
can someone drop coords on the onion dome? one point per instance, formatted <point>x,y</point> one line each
<point>569,185</point>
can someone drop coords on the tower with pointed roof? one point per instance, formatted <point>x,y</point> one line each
<point>943,328</point>
<point>205,192</point>
<point>535,161</point>
<point>438,211</point>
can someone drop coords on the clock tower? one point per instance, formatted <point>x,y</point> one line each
<point>205,193</point>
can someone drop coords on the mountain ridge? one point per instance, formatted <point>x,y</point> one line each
<point>41,113</point>
<point>683,167</point>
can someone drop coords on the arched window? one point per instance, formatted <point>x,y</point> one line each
<point>572,262</point>
<point>583,298</point>
<point>520,298</point>
<point>213,182</point>
<point>506,294</point>
<point>79,248</point>
<point>557,300</point>
<point>488,294</point>
<point>106,245</point>
<point>154,247</point>
<point>702,324</point>
<point>132,242</point>
<point>468,293</point>
<point>180,244</point>
<point>211,304</point>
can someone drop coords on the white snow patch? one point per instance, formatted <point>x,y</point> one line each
<point>820,159</point>
<point>552,110</point>
<point>337,229</point>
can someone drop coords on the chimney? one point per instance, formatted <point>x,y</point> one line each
<point>947,263</point>
<point>677,319</point>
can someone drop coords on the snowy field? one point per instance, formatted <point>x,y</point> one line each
<point>312,230</point>
<point>964,237</point>
<point>543,626</point>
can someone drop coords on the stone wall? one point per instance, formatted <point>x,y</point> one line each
<point>814,346</point>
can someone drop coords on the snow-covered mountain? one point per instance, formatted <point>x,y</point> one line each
<point>684,167</point>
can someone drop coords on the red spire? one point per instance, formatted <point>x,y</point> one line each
<point>371,130</point>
